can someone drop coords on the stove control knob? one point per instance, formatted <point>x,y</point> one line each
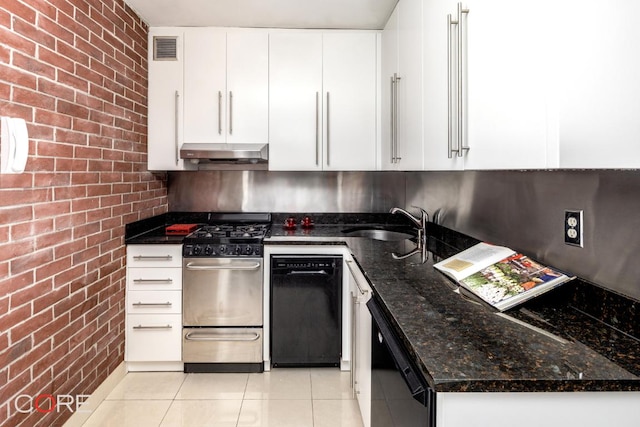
<point>208,250</point>
<point>222,249</point>
<point>248,250</point>
<point>238,250</point>
<point>257,251</point>
<point>197,249</point>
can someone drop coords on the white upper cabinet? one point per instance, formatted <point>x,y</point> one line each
<point>322,100</point>
<point>166,62</point>
<point>487,86</point>
<point>599,102</point>
<point>295,102</point>
<point>508,78</point>
<point>402,85</point>
<point>226,86</point>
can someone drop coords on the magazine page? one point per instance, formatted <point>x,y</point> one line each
<point>512,280</point>
<point>473,260</point>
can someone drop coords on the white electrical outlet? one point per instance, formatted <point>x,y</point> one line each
<point>573,226</point>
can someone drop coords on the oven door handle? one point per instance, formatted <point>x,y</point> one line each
<point>212,336</point>
<point>237,266</point>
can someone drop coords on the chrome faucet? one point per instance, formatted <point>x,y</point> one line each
<point>420,222</point>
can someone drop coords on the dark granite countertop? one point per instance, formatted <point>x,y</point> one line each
<point>561,341</point>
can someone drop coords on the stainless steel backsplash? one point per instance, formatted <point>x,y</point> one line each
<point>520,209</point>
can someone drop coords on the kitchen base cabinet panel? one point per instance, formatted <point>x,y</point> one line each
<point>153,338</point>
<point>584,409</point>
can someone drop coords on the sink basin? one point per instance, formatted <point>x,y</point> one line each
<point>376,234</point>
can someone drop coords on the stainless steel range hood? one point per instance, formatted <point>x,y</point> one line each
<point>226,156</point>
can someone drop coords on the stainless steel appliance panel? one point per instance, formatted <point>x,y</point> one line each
<point>222,292</point>
<point>222,345</point>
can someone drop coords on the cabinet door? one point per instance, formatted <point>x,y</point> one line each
<point>295,101</point>
<point>435,88</point>
<point>410,90</point>
<point>389,69</point>
<point>350,87</point>
<point>165,99</point>
<point>247,87</point>
<point>599,86</point>
<point>153,337</point>
<point>508,84</point>
<point>507,112</point>
<point>363,362</point>
<point>205,85</point>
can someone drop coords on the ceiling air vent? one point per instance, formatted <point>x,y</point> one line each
<point>165,48</point>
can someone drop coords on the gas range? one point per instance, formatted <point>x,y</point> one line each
<point>228,235</point>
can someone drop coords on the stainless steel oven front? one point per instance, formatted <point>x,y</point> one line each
<point>222,314</point>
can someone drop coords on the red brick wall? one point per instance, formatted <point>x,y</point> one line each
<point>76,71</point>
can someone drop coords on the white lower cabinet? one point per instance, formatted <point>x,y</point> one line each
<point>360,292</point>
<point>153,338</point>
<point>537,409</point>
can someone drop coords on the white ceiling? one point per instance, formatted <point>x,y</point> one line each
<point>343,14</point>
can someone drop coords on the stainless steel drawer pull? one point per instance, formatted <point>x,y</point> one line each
<point>152,304</point>
<point>210,336</point>
<point>176,134</point>
<point>252,266</point>
<point>141,327</point>
<point>219,113</point>
<point>153,257</point>
<point>152,281</point>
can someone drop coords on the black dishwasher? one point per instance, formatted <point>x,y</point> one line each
<point>400,395</point>
<point>306,310</point>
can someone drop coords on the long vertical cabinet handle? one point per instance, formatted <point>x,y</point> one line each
<point>219,113</point>
<point>395,115</point>
<point>462,77</point>
<point>317,128</point>
<point>328,131</point>
<point>450,56</point>
<point>176,135</point>
<point>392,131</point>
<point>230,113</point>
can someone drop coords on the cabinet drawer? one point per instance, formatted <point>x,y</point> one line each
<point>154,255</point>
<point>154,302</point>
<point>154,337</point>
<point>152,279</point>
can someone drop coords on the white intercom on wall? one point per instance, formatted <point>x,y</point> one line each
<point>14,145</point>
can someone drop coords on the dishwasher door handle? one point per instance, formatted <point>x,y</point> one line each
<point>307,273</point>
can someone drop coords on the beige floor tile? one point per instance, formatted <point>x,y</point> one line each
<point>213,386</point>
<point>128,413</point>
<point>148,385</point>
<point>336,413</point>
<point>330,383</point>
<point>276,413</point>
<point>202,413</point>
<point>280,384</point>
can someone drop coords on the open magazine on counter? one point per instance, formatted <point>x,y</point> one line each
<point>500,276</point>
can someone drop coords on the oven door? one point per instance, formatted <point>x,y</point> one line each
<point>222,292</point>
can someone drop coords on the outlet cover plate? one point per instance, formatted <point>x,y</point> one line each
<point>573,225</point>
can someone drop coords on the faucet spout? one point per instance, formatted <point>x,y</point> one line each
<point>420,222</point>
